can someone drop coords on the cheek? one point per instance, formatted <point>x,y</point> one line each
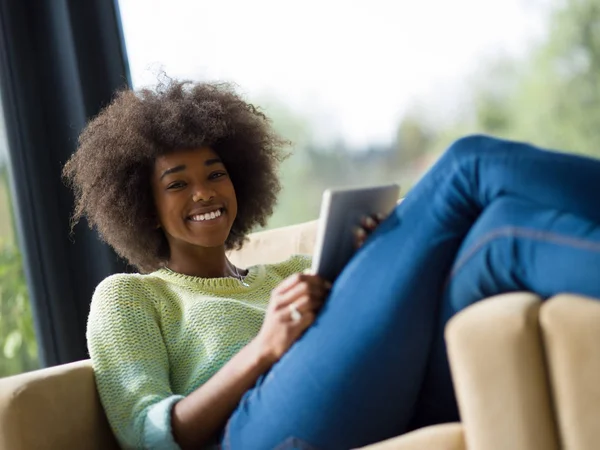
<point>166,212</point>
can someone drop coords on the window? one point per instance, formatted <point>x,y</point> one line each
<point>18,348</point>
<point>373,91</point>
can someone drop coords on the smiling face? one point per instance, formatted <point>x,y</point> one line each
<point>195,200</point>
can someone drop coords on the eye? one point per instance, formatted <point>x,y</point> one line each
<point>216,175</point>
<point>176,185</point>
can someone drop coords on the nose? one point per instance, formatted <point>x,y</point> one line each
<point>203,193</point>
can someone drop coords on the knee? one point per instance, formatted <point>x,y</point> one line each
<point>487,266</point>
<point>468,146</point>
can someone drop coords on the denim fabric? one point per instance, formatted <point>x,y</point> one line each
<point>490,217</point>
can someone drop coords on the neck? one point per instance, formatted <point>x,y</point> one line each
<point>203,263</point>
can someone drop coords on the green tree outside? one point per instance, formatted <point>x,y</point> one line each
<point>18,347</point>
<point>553,98</point>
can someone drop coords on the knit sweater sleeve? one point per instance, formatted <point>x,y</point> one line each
<point>131,364</point>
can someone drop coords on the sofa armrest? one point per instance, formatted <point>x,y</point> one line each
<point>571,330</point>
<point>499,373</point>
<point>448,436</point>
<point>54,408</point>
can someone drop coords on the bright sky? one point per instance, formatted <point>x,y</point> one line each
<point>351,66</point>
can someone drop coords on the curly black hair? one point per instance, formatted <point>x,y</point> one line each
<point>111,168</point>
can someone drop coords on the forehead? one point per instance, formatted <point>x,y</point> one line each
<point>187,157</point>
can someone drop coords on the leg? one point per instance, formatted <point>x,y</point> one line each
<point>355,375</point>
<point>515,246</point>
<point>477,169</point>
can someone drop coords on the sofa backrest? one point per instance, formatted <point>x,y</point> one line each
<point>276,245</point>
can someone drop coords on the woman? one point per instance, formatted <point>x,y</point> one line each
<point>197,351</point>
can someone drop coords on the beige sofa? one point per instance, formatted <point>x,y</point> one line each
<point>526,376</point>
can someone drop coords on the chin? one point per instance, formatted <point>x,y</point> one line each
<point>210,243</point>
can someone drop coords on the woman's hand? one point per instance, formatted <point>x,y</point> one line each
<point>292,309</point>
<point>368,224</point>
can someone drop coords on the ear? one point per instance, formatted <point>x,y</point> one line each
<point>157,225</point>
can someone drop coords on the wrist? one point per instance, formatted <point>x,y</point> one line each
<point>260,356</point>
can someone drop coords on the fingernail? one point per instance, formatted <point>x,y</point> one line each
<point>381,217</point>
<point>370,222</point>
<point>359,232</point>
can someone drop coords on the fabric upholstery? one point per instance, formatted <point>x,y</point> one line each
<point>55,408</point>
<point>439,437</point>
<point>271,246</point>
<point>571,330</point>
<point>499,373</point>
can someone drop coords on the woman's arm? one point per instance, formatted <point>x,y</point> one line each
<point>196,418</point>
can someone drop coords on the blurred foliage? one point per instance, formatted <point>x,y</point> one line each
<point>18,348</point>
<point>550,98</point>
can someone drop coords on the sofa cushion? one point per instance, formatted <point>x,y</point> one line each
<point>499,373</point>
<point>571,330</point>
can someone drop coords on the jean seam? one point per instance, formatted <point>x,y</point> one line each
<point>294,443</point>
<point>520,232</point>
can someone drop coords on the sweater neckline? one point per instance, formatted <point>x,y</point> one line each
<point>222,284</point>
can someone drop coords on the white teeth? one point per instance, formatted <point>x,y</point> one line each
<point>208,216</point>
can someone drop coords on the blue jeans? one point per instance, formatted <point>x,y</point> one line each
<point>490,217</point>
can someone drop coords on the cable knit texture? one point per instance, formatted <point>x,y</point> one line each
<point>155,338</point>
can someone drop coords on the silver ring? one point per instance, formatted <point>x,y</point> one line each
<point>295,315</point>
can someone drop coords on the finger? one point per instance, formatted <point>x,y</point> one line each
<point>306,321</point>
<point>300,315</point>
<point>301,290</point>
<point>360,236</point>
<point>307,303</point>
<point>380,217</point>
<point>369,223</point>
<point>316,281</point>
<point>289,283</point>
<point>299,278</point>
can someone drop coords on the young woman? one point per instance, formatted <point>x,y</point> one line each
<point>195,351</point>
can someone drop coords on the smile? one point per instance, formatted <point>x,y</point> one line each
<point>206,216</point>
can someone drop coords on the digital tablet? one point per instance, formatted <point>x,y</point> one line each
<point>341,213</point>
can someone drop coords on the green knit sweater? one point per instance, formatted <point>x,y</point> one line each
<point>155,338</point>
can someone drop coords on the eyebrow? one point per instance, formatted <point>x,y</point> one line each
<point>208,162</point>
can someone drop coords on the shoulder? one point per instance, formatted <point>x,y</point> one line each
<point>123,304</point>
<point>123,289</point>
<point>128,283</point>
<point>294,264</point>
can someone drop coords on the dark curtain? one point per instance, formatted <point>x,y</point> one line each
<point>60,62</point>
